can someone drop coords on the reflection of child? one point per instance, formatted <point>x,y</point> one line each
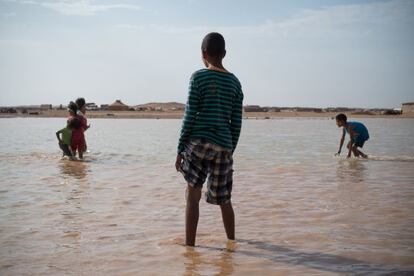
<point>65,141</point>
<point>357,132</point>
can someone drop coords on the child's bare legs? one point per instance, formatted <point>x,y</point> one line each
<point>227,214</point>
<point>73,154</point>
<point>81,150</point>
<point>192,214</point>
<point>358,153</point>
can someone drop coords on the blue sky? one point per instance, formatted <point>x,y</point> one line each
<point>285,53</point>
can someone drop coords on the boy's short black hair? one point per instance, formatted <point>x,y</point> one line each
<point>80,102</point>
<point>341,117</point>
<point>214,45</point>
<point>75,123</point>
<point>72,107</point>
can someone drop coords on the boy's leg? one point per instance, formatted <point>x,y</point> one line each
<point>227,214</point>
<point>79,147</point>
<point>360,153</point>
<point>62,148</point>
<point>357,152</point>
<point>82,149</point>
<point>66,150</point>
<point>363,154</point>
<point>192,214</point>
<point>72,154</point>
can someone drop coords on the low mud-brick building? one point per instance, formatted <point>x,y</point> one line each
<point>407,108</point>
<point>118,106</point>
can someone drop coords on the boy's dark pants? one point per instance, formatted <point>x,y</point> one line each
<point>66,150</point>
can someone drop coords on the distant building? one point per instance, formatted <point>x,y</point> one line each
<point>308,109</point>
<point>253,108</point>
<point>104,106</point>
<point>45,106</point>
<point>407,108</point>
<point>273,109</point>
<point>337,109</point>
<point>91,106</point>
<point>118,106</point>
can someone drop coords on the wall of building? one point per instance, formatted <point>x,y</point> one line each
<point>408,108</point>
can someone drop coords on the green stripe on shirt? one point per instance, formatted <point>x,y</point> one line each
<point>214,109</point>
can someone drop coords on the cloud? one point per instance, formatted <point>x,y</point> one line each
<point>331,21</point>
<point>342,20</point>
<point>79,7</point>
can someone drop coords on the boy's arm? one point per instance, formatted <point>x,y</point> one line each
<point>236,118</point>
<point>58,136</point>
<point>84,122</point>
<point>191,110</point>
<point>341,143</point>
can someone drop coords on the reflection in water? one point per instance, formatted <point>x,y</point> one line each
<point>195,262</point>
<point>76,169</point>
<point>225,263</point>
<point>73,212</point>
<point>351,170</point>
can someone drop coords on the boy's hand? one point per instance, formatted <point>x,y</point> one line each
<point>178,161</point>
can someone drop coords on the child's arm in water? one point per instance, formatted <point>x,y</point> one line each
<point>341,143</point>
<point>58,137</point>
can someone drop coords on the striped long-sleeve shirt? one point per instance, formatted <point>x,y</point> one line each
<point>214,109</point>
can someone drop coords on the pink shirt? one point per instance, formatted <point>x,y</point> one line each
<point>77,134</point>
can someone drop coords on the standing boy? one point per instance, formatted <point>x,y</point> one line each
<point>81,103</point>
<point>209,136</point>
<point>78,138</point>
<point>358,134</point>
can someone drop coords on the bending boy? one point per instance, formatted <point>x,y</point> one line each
<point>358,134</point>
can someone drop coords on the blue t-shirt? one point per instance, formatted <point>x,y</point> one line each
<point>360,129</point>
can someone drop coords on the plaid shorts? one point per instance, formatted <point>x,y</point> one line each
<point>201,159</point>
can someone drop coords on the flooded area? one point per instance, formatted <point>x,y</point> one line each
<point>299,210</point>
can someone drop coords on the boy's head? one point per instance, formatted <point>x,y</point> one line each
<point>341,120</point>
<point>213,48</point>
<point>72,108</point>
<point>80,102</point>
<point>75,123</point>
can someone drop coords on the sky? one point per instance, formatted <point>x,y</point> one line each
<point>320,53</point>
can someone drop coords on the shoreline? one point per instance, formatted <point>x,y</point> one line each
<point>109,114</point>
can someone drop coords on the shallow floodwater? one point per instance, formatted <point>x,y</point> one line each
<point>299,210</point>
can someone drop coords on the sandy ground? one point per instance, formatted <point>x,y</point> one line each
<point>179,115</point>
